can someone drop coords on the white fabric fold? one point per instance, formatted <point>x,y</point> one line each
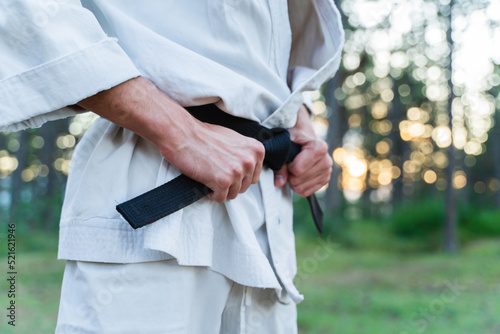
<point>52,55</point>
<point>253,60</point>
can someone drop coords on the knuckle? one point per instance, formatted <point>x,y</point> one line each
<point>296,170</point>
<point>325,165</point>
<point>322,147</point>
<point>219,198</point>
<point>258,148</point>
<point>223,182</point>
<point>248,163</point>
<point>237,170</point>
<point>298,189</point>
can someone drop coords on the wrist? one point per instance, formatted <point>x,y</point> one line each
<point>167,125</point>
<point>303,123</point>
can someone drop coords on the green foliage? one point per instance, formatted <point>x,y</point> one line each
<point>38,283</point>
<point>366,291</point>
<point>421,218</point>
<point>38,213</point>
<point>346,292</point>
<point>423,221</point>
<point>302,219</point>
<point>415,226</point>
<point>333,223</point>
<point>474,223</point>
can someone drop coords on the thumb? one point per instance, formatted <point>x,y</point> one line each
<point>280,176</point>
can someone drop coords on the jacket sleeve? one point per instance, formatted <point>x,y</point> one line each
<point>317,41</point>
<point>52,55</point>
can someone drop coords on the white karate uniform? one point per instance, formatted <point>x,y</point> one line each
<point>253,59</point>
<point>163,297</point>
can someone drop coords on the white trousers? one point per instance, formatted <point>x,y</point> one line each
<point>163,297</point>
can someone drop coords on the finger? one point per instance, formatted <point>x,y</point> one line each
<point>301,138</point>
<point>310,187</point>
<point>234,190</point>
<point>311,153</point>
<point>219,196</point>
<point>256,172</point>
<point>245,184</point>
<point>303,162</point>
<point>281,176</point>
<point>321,167</point>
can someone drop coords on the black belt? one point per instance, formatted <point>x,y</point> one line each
<point>183,191</point>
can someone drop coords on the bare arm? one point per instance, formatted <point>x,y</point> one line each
<point>220,158</point>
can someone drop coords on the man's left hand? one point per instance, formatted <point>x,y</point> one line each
<point>312,167</point>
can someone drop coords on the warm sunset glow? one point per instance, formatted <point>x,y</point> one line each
<point>430,176</point>
<point>459,180</point>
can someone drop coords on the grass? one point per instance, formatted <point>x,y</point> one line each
<point>38,283</point>
<point>346,291</point>
<point>360,291</point>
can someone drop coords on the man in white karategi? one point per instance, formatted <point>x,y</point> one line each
<point>224,264</point>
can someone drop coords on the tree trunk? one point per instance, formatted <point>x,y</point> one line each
<point>55,182</point>
<point>47,153</point>
<point>396,114</point>
<point>336,128</point>
<point>333,196</point>
<point>450,234</point>
<point>17,182</point>
<point>496,153</point>
<point>2,147</point>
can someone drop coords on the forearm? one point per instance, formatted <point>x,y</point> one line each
<point>303,123</point>
<point>220,158</point>
<point>138,105</point>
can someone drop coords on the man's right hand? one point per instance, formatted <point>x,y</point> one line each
<point>220,158</point>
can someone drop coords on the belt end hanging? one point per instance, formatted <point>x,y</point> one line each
<point>316,212</point>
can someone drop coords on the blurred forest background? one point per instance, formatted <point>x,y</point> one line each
<point>413,125</point>
<point>410,119</point>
